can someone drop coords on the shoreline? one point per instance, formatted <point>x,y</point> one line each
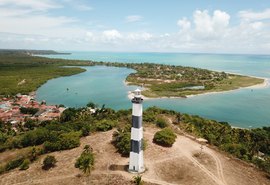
<point>265,84</point>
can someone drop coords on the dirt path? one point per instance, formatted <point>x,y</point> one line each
<point>221,179</point>
<point>219,166</point>
<point>189,154</point>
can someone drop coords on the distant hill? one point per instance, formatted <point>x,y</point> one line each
<point>31,52</point>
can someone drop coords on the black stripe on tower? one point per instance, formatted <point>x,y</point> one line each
<point>136,121</point>
<point>137,100</point>
<point>136,146</point>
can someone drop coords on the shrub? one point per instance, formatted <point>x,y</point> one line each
<point>165,137</point>
<point>2,169</point>
<point>14,163</point>
<point>105,125</point>
<point>64,141</point>
<point>25,164</point>
<point>34,153</point>
<point>86,130</point>
<point>121,140</point>
<point>49,162</point>
<point>161,123</point>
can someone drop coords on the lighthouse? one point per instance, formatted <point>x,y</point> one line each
<point>136,164</point>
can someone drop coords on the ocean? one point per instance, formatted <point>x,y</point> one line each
<point>246,108</point>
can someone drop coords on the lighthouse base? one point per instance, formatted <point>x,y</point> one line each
<point>142,170</point>
<point>136,164</point>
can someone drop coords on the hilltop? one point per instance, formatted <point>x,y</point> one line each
<point>179,164</point>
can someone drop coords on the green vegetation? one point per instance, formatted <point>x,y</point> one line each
<point>14,163</point>
<point>29,110</point>
<point>138,180</point>
<point>22,73</point>
<point>161,123</point>
<point>121,140</point>
<point>49,162</point>
<point>86,160</point>
<point>177,81</point>
<point>25,164</point>
<point>105,125</point>
<point>63,142</point>
<point>165,137</point>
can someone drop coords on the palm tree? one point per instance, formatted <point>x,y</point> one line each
<point>86,161</point>
<point>138,180</point>
<point>86,166</point>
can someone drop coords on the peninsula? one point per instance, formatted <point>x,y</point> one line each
<point>158,80</point>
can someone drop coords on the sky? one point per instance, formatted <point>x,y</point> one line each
<point>196,26</point>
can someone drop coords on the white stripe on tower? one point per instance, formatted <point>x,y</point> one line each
<point>136,152</point>
<point>136,109</point>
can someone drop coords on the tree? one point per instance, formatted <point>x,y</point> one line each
<point>49,162</point>
<point>29,110</point>
<point>68,115</point>
<point>121,140</point>
<point>92,105</point>
<point>165,137</point>
<point>30,124</point>
<point>86,160</point>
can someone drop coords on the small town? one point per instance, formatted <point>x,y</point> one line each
<point>20,108</point>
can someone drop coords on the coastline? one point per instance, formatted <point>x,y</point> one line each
<point>265,84</point>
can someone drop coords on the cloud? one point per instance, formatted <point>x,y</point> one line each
<point>78,5</point>
<point>141,36</point>
<point>204,31</point>
<point>183,23</point>
<point>133,18</point>
<point>31,17</point>
<point>208,26</point>
<point>249,15</point>
<point>83,7</point>
<point>34,5</point>
<point>110,35</point>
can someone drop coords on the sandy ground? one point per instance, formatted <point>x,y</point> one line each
<point>164,166</point>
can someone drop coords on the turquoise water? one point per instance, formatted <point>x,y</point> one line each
<point>104,85</point>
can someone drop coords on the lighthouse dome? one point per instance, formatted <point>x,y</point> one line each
<point>137,93</point>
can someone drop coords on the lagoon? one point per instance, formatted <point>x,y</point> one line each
<point>247,108</point>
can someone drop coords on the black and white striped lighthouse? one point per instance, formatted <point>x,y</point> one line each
<point>136,163</point>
